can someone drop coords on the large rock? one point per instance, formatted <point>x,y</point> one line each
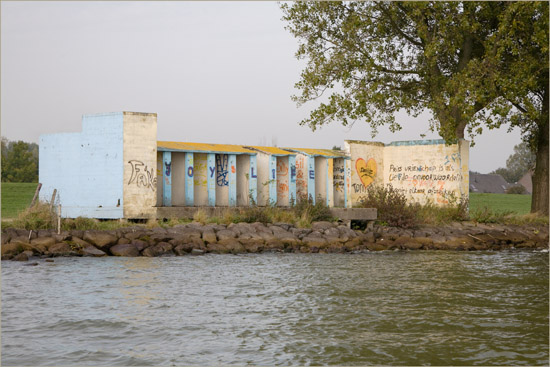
<point>160,249</point>
<point>229,245</point>
<point>140,244</point>
<point>314,241</point>
<point>102,240</point>
<point>43,243</point>
<point>209,236</point>
<point>11,249</point>
<point>225,235</point>
<point>183,249</point>
<point>125,249</point>
<point>91,251</point>
<point>62,249</point>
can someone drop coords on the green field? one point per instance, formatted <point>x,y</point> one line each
<point>16,197</point>
<point>520,204</point>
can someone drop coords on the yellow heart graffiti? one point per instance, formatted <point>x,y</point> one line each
<point>366,170</point>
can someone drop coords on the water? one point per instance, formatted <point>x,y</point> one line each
<point>389,308</point>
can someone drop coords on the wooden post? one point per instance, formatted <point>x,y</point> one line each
<point>35,195</point>
<point>53,199</point>
<point>59,219</point>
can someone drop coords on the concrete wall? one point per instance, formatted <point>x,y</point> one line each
<point>301,176</point>
<point>423,170</point>
<point>321,179</point>
<point>140,152</point>
<point>263,178</point>
<point>367,167</point>
<point>283,182</point>
<point>339,182</point>
<point>200,179</point>
<point>243,178</point>
<point>222,179</point>
<point>86,168</point>
<point>177,171</point>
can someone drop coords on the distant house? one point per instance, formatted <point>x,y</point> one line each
<point>527,181</point>
<point>488,183</point>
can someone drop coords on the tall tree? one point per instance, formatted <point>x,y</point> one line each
<point>452,58</point>
<point>19,161</point>
<point>518,163</point>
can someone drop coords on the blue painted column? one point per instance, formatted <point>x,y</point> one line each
<point>253,181</point>
<point>232,173</point>
<point>292,179</point>
<point>272,180</point>
<point>211,178</point>
<point>167,178</point>
<point>189,181</point>
<point>311,178</point>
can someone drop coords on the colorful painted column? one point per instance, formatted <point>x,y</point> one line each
<point>211,178</point>
<point>167,178</point>
<point>329,181</point>
<point>311,178</point>
<point>292,180</point>
<point>347,183</point>
<point>232,173</point>
<point>272,180</point>
<point>189,182</point>
<point>253,181</point>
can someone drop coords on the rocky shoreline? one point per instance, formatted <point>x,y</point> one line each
<point>322,237</point>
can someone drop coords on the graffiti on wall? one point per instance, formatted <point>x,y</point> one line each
<point>167,168</point>
<point>366,170</point>
<point>338,178</point>
<point>222,169</point>
<point>439,180</point>
<point>142,176</point>
<point>301,181</point>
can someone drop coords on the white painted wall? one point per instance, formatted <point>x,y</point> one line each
<point>243,170</point>
<point>320,178</point>
<point>263,178</point>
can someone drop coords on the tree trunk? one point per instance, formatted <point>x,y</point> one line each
<point>540,198</point>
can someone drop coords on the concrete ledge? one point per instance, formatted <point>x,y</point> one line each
<point>354,213</point>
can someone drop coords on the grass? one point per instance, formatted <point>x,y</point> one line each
<point>519,204</point>
<point>484,208</point>
<point>16,197</point>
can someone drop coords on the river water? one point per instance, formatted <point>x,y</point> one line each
<point>386,308</point>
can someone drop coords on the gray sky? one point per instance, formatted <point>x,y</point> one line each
<point>215,72</point>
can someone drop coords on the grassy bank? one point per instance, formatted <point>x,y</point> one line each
<point>16,197</point>
<point>483,208</point>
<point>518,204</point>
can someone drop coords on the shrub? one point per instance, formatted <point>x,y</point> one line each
<point>517,189</point>
<point>37,217</point>
<point>392,207</point>
<point>305,208</point>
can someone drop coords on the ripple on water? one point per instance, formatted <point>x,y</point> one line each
<point>376,308</point>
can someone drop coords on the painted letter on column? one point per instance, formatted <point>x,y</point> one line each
<point>292,179</point>
<point>189,181</point>
<point>232,180</point>
<point>253,181</point>
<point>272,180</point>
<point>167,178</point>
<point>311,178</point>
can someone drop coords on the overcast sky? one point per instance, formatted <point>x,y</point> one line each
<point>214,72</point>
